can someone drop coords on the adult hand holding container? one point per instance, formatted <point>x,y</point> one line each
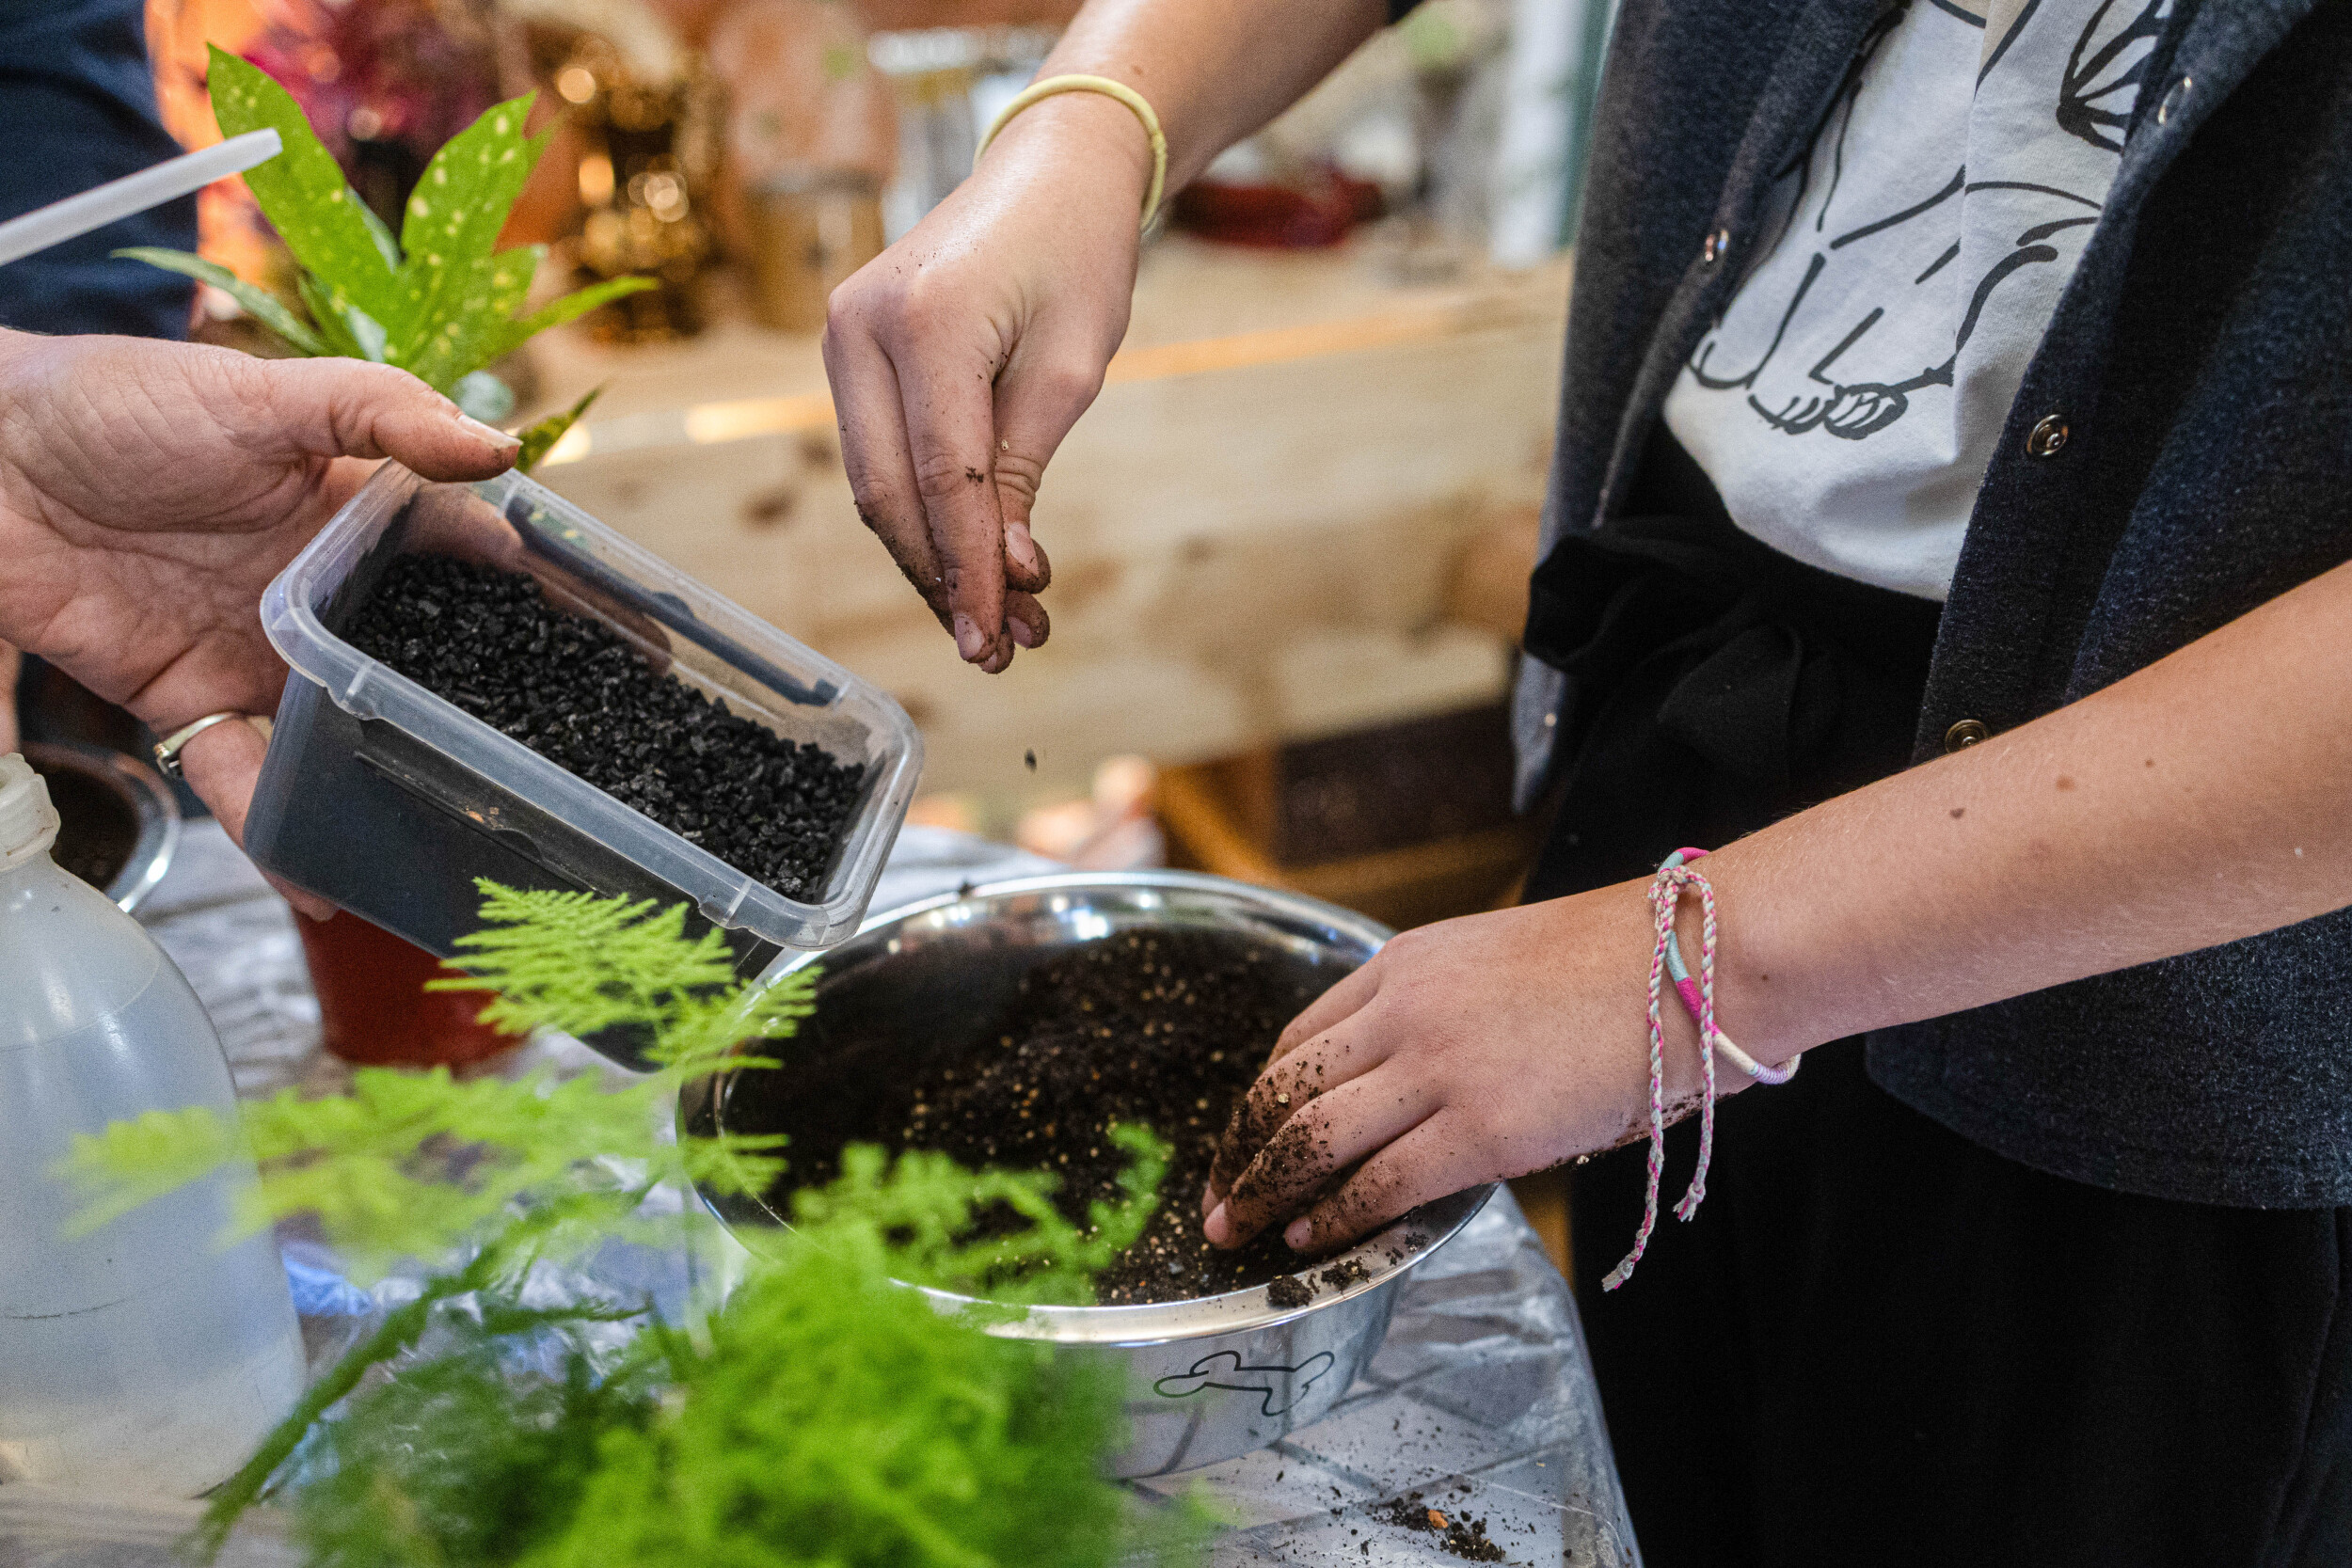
<point>390,799</point>
<point>148,493</point>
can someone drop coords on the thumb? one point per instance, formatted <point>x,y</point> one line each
<point>1039,395</point>
<point>352,409</point>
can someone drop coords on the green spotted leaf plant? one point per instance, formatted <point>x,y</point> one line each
<point>825,1414</point>
<point>440,300</point>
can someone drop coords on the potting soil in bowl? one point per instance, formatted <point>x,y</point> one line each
<point>1161,1029</point>
<point>575,692</point>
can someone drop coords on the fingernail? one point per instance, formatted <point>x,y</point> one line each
<point>1297,1234</point>
<point>969,643</point>
<point>1219,1229</point>
<point>1208,1201</point>
<point>1019,546</point>
<point>488,433</point>
<point>1021,631</point>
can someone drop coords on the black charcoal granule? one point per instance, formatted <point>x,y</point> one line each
<point>573,690</point>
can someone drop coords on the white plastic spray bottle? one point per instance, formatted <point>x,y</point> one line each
<point>146,1355</point>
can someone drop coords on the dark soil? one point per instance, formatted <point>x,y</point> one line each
<point>1165,1030</point>
<point>96,831</point>
<point>1461,1537</point>
<point>1339,1275</point>
<point>573,690</point>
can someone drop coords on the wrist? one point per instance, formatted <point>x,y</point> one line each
<point>1612,933</point>
<point>1083,143</point>
<point>1769,996</point>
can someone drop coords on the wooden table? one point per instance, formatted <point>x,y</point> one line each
<point>1259,533</point>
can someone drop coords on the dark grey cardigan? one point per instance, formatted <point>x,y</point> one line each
<point>2201,362</point>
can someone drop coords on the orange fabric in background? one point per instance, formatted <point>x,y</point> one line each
<point>226,220</point>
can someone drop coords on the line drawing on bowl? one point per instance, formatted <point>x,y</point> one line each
<point>1205,1372</point>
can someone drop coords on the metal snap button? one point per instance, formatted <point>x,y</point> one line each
<point>2176,95</point>
<point>1965,734</point>
<point>1718,246</point>
<point>2048,436</point>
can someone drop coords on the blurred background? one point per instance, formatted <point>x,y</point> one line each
<point>1291,540</point>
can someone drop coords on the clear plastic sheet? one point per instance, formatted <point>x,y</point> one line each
<point>43,1529</point>
<point>1480,1406</point>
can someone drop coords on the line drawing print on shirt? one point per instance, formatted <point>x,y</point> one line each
<point>2095,99</point>
<point>1887,313</point>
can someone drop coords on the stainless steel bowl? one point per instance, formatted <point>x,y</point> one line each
<point>91,779</point>
<point>1209,1378</point>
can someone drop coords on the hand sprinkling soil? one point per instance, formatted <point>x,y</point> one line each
<point>1164,1029</point>
<point>574,691</point>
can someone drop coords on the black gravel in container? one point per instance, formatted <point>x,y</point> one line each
<point>573,690</point>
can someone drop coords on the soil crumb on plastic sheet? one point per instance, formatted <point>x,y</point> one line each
<point>1458,1533</point>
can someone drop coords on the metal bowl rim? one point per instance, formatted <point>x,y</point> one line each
<point>1197,1317</point>
<point>153,808</point>
<point>1362,927</point>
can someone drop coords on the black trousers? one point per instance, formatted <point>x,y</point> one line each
<point>1878,1343</point>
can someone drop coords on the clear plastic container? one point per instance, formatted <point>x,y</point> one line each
<point>148,1356</point>
<point>391,802</point>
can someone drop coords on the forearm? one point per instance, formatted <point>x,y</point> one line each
<point>2199,801</point>
<point>1213,70</point>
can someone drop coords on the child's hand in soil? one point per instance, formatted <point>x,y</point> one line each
<point>150,491</point>
<point>1465,1052</point>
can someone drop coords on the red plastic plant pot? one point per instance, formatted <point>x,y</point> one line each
<point>374,1009</point>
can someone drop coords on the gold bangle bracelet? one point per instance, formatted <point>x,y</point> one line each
<point>1037,92</point>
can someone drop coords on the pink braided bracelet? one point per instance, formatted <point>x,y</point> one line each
<point>1698,999</point>
<point>1688,989</point>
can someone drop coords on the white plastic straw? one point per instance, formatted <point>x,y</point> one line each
<point>133,193</point>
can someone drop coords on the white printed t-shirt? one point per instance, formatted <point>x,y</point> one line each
<point>1846,405</point>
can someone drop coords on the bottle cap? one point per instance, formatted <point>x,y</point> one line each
<point>28,823</point>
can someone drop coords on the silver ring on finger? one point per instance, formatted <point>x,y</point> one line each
<point>169,749</point>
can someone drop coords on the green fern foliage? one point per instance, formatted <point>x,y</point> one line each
<point>915,1216</point>
<point>826,1417</point>
<point>459,1461</point>
<point>411,1164</point>
<point>583,964</point>
<point>840,1422</point>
